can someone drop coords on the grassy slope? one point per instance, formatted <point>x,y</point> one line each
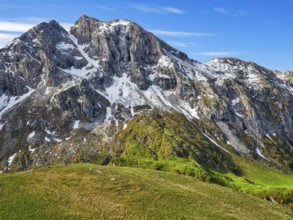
<point>170,143</point>
<point>263,181</point>
<point>106,192</point>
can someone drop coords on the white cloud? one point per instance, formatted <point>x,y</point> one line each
<point>59,7</point>
<point>173,10</point>
<point>217,53</point>
<point>66,26</point>
<point>28,19</point>
<point>7,7</point>
<point>180,33</point>
<point>104,8</point>
<point>221,10</point>
<point>145,8</point>
<point>182,44</point>
<point>20,24</point>
<point>24,24</point>
<point>157,9</point>
<point>6,39</point>
<point>4,36</point>
<point>14,26</point>
<point>178,43</point>
<point>235,13</point>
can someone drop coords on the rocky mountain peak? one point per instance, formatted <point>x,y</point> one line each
<point>45,31</point>
<point>116,41</point>
<point>85,20</point>
<point>102,74</point>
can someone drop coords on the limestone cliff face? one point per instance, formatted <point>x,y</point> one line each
<point>120,45</point>
<point>56,88</point>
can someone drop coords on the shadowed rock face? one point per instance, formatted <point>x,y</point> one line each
<point>57,88</point>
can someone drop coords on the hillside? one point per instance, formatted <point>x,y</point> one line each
<point>105,192</point>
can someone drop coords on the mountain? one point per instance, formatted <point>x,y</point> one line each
<point>114,93</point>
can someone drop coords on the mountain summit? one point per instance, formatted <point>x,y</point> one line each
<point>112,92</point>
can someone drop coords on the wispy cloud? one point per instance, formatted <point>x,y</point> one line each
<point>15,26</point>
<point>66,26</point>
<point>23,24</point>
<point>7,6</point>
<point>157,9</point>
<point>221,10</point>
<point>145,8</point>
<point>235,13</point>
<point>6,38</point>
<point>182,44</point>
<point>181,33</point>
<point>173,10</point>
<point>104,8</point>
<point>19,24</point>
<point>218,53</point>
<point>59,6</point>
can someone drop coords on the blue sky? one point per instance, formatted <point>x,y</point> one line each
<point>253,30</point>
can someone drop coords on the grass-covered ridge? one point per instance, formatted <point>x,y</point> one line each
<point>163,140</point>
<point>170,142</point>
<point>106,192</point>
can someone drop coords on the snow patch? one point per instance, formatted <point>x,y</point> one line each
<point>48,90</point>
<point>78,58</point>
<point>164,61</point>
<point>31,135</point>
<point>76,124</point>
<point>252,77</point>
<point>124,126</point>
<point>10,159</point>
<point>81,49</point>
<point>48,131</point>
<point>82,73</point>
<point>65,46</point>
<point>123,91</point>
<point>36,40</point>
<point>10,102</point>
<point>58,139</point>
<point>106,28</point>
<point>269,137</point>
<point>214,68</point>
<point>260,154</point>
<point>235,101</point>
<point>239,115</point>
<point>186,109</point>
<point>120,22</point>
<point>108,114</point>
<point>4,100</point>
<point>32,150</point>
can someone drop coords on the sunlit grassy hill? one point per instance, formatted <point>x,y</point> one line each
<point>105,192</point>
